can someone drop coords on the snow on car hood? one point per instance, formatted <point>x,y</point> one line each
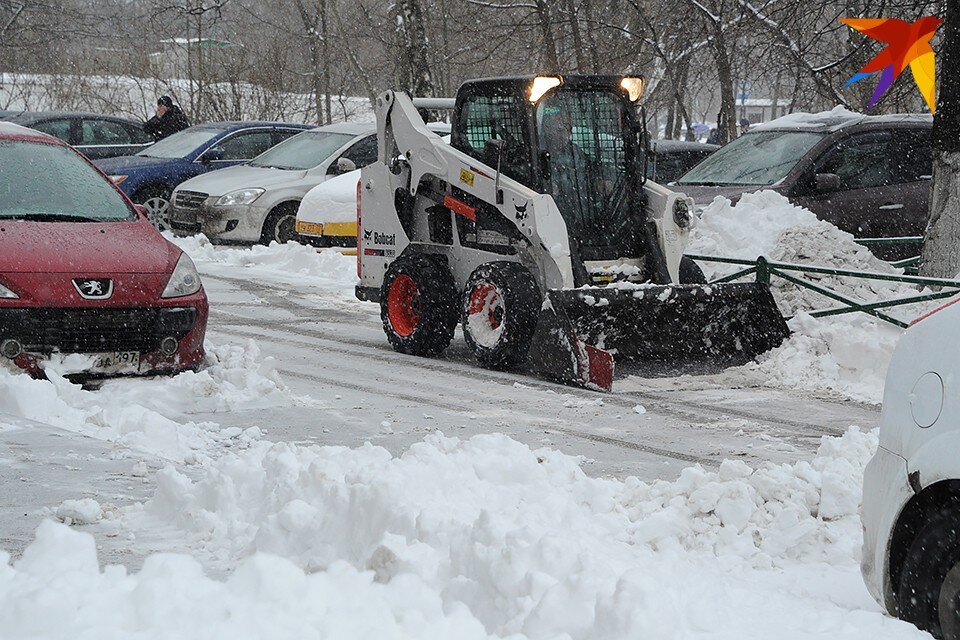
<point>244,176</point>
<point>704,195</point>
<point>332,201</point>
<point>87,247</point>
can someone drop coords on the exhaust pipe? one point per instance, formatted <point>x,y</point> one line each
<point>10,348</point>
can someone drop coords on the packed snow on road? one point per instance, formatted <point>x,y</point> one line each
<point>311,482</point>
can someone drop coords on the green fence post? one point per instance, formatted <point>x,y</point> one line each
<point>763,270</point>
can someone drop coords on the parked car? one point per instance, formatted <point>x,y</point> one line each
<point>327,215</point>
<point>670,159</point>
<point>83,271</point>
<point>867,175</point>
<point>257,201</point>
<point>94,135</point>
<point>911,486</point>
<point>150,176</point>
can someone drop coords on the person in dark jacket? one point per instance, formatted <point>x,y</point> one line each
<point>169,119</point>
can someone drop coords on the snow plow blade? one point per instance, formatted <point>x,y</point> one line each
<point>581,330</point>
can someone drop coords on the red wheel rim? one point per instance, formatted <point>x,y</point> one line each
<point>485,295</point>
<point>403,302</point>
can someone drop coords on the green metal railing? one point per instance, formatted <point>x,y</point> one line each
<point>765,270</point>
<point>909,265</point>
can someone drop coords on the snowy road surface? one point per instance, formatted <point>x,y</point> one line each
<point>707,506</point>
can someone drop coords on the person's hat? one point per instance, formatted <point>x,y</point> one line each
<point>166,101</point>
<point>744,122</point>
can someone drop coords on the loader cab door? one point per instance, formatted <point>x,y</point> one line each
<point>496,115</point>
<point>587,165</point>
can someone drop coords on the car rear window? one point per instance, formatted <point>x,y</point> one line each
<point>40,181</point>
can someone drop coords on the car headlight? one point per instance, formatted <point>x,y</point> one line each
<point>6,293</point>
<point>184,280</point>
<point>681,213</point>
<point>243,196</point>
<point>118,179</point>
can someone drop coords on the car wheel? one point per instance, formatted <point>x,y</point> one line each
<point>929,591</point>
<point>418,304</point>
<point>280,226</point>
<point>501,305</point>
<point>157,204</point>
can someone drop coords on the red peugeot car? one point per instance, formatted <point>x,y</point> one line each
<point>83,271</point>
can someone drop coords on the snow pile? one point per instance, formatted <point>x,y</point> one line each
<point>57,590</point>
<point>767,224</point>
<point>528,544</point>
<point>846,355</point>
<point>290,263</point>
<point>85,511</point>
<point>802,119</point>
<point>134,412</point>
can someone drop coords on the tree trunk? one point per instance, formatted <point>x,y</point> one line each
<point>551,58</point>
<point>941,249</point>
<point>414,74</point>
<point>325,53</point>
<point>726,131</point>
<point>575,33</point>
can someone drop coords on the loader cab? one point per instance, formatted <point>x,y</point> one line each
<point>577,138</point>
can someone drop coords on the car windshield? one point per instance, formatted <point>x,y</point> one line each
<point>41,181</point>
<point>760,158</point>
<point>181,144</point>
<point>303,151</point>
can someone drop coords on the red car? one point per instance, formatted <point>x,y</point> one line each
<point>83,271</point>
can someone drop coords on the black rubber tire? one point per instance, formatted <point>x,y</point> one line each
<point>519,301</point>
<point>283,214</point>
<point>690,272</point>
<point>150,198</point>
<point>434,304</point>
<point>932,555</point>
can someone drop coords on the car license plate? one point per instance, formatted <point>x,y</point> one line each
<point>116,362</point>
<point>309,228</point>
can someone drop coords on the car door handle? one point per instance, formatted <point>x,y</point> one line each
<point>889,206</point>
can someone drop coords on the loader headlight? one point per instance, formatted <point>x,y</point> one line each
<point>634,87</point>
<point>681,213</point>
<point>243,196</point>
<point>542,84</point>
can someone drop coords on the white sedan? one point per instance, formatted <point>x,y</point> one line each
<point>911,493</point>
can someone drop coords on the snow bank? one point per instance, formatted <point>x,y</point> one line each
<point>134,412</point>
<point>287,263</point>
<point>767,224</point>
<point>846,355</point>
<point>57,590</point>
<point>527,544</point>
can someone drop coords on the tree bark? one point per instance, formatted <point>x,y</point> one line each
<point>414,69</point>
<point>941,248</point>
<point>551,58</point>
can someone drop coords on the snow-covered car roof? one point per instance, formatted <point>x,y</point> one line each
<point>838,118</point>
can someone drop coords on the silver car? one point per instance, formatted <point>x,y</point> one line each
<point>257,201</point>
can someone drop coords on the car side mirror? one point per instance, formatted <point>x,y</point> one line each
<point>344,165</point>
<point>211,155</point>
<point>826,182</point>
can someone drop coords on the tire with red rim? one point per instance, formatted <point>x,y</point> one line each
<point>418,304</point>
<point>501,305</point>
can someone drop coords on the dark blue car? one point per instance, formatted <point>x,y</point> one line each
<point>151,176</point>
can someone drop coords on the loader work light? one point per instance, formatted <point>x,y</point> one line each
<point>634,87</point>
<point>542,84</point>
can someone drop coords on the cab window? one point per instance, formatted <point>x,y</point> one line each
<point>487,118</point>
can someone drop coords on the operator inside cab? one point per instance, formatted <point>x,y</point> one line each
<point>583,135</point>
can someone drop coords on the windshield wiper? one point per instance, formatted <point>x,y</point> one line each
<point>48,217</point>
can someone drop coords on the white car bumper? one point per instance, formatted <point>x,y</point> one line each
<point>886,490</point>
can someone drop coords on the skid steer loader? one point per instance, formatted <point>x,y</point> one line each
<point>536,229</point>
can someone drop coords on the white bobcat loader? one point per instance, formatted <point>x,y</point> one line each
<point>536,229</point>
